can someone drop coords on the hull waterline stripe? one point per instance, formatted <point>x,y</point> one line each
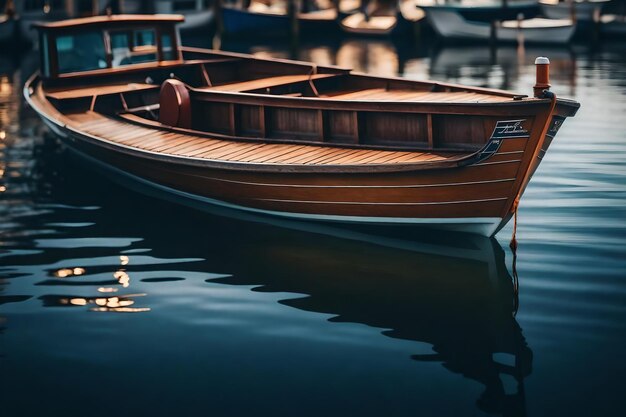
<point>429,203</point>
<point>261,184</point>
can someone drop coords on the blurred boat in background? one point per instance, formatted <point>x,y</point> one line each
<point>320,19</point>
<point>260,19</point>
<point>382,19</point>
<point>485,10</point>
<point>451,26</point>
<point>199,14</point>
<point>580,10</point>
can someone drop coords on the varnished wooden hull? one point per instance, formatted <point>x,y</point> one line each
<point>477,198</point>
<point>471,191</point>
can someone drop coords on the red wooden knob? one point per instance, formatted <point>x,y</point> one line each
<point>174,104</point>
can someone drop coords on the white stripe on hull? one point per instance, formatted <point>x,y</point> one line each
<point>449,184</point>
<point>425,203</point>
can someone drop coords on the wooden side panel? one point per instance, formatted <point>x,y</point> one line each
<point>342,127</point>
<point>249,121</point>
<point>446,193</point>
<point>293,123</point>
<point>394,128</point>
<point>212,117</point>
<point>223,73</point>
<point>451,130</point>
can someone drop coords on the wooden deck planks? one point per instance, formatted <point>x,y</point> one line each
<point>175,143</point>
<point>381,94</point>
<point>266,82</point>
<point>100,90</point>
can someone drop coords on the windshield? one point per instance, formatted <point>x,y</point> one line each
<point>133,47</point>
<point>81,52</point>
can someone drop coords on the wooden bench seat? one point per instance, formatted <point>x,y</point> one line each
<point>81,92</point>
<point>269,82</point>
<point>381,94</point>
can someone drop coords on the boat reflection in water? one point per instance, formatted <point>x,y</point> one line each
<point>460,300</point>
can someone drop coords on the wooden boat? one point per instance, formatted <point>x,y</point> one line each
<point>485,10</point>
<point>288,138</point>
<point>262,20</point>
<point>380,20</point>
<point>582,10</point>
<point>451,26</point>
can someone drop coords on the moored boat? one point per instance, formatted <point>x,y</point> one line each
<point>378,19</point>
<point>287,138</point>
<point>451,26</point>
<point>199,14</point>
<point>261,20</point>
<point>485,10</point>
<point>581,10</point>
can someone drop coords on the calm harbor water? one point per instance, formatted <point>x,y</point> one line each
<point>113,302</point>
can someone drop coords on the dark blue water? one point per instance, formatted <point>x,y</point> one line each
<point>117,303</point>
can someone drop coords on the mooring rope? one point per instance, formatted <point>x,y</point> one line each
<point>513,243</point>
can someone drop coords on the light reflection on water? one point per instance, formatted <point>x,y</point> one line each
<point>243,317</point>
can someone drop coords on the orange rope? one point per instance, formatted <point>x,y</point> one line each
<point>513,246</point>
<point>513,242</point>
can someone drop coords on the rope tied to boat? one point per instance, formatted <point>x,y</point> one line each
<point>513,243</point>
<point>311,84</point>
<point>545,94</point>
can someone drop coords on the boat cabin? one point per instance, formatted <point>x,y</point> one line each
<point>105,43</point>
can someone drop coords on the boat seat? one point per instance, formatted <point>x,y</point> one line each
<point>174,104</point>
<point>82,92</point>
<point>241,86</point>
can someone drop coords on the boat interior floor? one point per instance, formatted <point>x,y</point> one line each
<point>126,130</point>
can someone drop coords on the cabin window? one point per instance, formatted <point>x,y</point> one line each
<point>169,53</point>
<point>81,52</point>
<point>133,47</point>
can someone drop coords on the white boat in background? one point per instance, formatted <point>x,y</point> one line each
<point>451,26</point>
<point>485,10</point>
<point>581,10</point>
